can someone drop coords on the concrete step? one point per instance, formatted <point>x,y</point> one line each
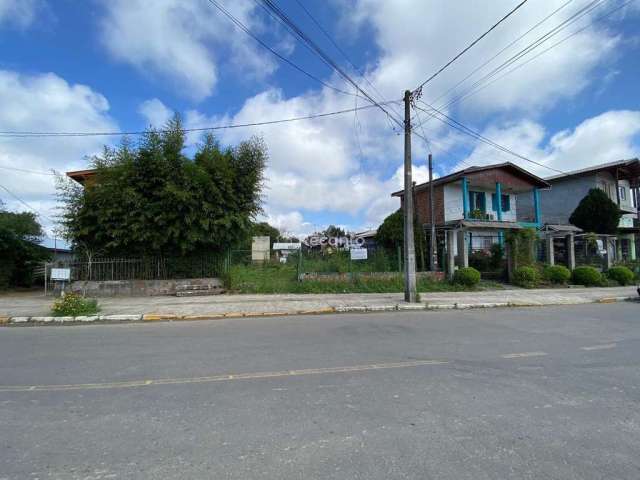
<point>214,290</point>
<point>180,288</point>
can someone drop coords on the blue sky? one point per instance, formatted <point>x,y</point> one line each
<point>126,64</point>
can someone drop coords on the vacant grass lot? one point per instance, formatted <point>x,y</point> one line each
<point>283,279</point>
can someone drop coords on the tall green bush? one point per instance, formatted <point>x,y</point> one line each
<point>468,276</point>
<point>621,274</point>
<point>558,274</point>
<point>588,276</point>
<point>527,277</point>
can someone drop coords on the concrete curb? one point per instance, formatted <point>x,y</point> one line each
<point>163,317</point>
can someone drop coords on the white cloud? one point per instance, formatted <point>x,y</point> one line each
<point>331,165</point>
<point>46,103</point>
<point>418,37</point>
<point>19,13</point>
<point>613,135</point>
<point>182,42</point>
<point>155,112</point>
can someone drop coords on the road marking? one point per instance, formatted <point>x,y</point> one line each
<point>524,354</point>
<point>218,378</point>
<point>606,346</point>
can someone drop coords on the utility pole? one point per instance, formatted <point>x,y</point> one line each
<point>410,292</point>
<point>433,259</point>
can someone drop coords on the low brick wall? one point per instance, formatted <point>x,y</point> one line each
<point>337,277</point>
<point>137,288</point>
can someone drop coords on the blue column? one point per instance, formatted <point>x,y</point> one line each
<point>536,206</point>
<point>499,200</point>
<point>465,197</point>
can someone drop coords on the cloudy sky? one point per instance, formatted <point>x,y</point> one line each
<point>567,96</point>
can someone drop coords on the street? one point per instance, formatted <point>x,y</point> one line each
<point>522,393</point>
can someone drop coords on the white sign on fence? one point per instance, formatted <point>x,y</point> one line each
<point>358,254</point>
<point>63,274</point>
<point>286,246</point>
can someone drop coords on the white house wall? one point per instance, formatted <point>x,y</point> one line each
<point>454,208</point>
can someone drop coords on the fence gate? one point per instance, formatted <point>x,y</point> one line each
<point>487,255</point>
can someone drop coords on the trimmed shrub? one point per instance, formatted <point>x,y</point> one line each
<point>558,274</point>
<point>468,276</point>
<point>74,305</point>
<point>588,276</point>
<point>621,274</point>
<point>527,277</point>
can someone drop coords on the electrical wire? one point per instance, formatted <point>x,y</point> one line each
<point>325,57</point>
<point>468,131</point>
<point>27,134</point>
<point>529,48</point>
<point>522,64</point>
<point>481,66</point>
<point>24,170</point>
<point>471,45</point>
<point>246,30</point>
<point>25,203</point>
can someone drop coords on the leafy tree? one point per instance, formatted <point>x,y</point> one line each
<point>333,231</point>
<point>19,251</point>
<point>391,232</point>
<point>150,199</point>
<point>264,229</point>
<point>596,213</point>
<point>391,235</point>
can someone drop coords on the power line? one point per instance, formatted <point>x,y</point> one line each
<point>246,30</point>
<point>325,57</point>
<point>468,47</point>
<point>481,87</point>
<point>530,47</point>
<point>468,131</point>
<point>26,134</point>
<point>25,203</point>
<point>24,170</point>
<point>480,67</point>
<point>360,71</point>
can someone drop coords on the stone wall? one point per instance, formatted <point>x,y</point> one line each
<point>137,288</point>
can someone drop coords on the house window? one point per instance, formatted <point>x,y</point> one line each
<point>505,201</point>
<point>623,193</point>
<point>477,201</point>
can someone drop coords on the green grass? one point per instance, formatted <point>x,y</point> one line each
<point>282,279</point>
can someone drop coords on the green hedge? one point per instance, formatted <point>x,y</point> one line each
<point>527,277</point>
<point>467,276</point>
<point>588,276</point>
<point>621,274</point>
<point>558,274</point>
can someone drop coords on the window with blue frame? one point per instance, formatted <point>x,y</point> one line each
<point>477,201</point>
<point>505,201</point>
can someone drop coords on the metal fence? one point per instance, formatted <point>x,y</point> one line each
<point>151,268</point>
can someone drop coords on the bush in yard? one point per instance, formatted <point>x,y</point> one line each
<point>74,305</point>
<point>527,277</point>
<point>621,274</point>
<point>558,274</point>
<point>467,276</point>
<point>588,276</point>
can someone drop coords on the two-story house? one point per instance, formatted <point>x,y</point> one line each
<point>620,180</point>
<point>477,205</point>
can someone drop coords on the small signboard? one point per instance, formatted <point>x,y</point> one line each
<point>286,246</point>
<point>358,253</point>
<point>61,274</point>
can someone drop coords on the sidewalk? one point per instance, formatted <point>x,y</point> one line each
<point>159,308</point>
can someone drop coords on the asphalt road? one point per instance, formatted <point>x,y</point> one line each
<point>540,393</point>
